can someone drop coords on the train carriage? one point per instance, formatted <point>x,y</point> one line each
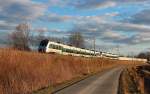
<point>47,46</point>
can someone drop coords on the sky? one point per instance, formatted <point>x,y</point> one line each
<point>115,24</point>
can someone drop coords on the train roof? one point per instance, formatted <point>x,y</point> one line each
<point>65,44</point>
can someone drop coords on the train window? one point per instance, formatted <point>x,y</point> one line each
<point>55,46</point>
<point>75,51</point>
<point>68,50</point>
<point>63,49</point>
<point>60,47</point>
<point>50,46</point>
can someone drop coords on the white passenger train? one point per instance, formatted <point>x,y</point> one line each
<point>47,46</point>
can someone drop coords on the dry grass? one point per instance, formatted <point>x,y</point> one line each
<point>131,82</point>
<point>24,72</point>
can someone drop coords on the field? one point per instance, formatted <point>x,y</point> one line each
<point>25,72</point>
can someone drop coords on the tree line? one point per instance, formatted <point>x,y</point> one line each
<point>144,55</point>
<point>22,38</point>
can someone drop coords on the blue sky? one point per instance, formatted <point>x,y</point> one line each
<point>112,22</point>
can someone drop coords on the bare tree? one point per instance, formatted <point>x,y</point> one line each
<point>76,39</point>
<point>144,55</point>
<point>21,37</point>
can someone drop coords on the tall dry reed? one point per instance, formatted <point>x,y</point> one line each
<point>24,72</point>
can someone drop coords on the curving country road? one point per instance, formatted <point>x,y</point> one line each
<point>105,82</point>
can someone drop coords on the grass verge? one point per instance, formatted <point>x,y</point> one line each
<point>131,82</point>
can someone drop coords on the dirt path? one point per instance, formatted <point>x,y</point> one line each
<point>105,82</point>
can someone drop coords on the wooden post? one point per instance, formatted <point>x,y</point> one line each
<point>141,85</point>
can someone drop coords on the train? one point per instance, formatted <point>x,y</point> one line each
<point>47,46</point>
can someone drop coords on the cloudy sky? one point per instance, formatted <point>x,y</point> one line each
<point>114,23</point>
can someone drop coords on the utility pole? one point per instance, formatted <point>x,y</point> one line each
<point>132,57</point>
<point>118,50</point>
<point>63,40</point>
<point>99,50</point>
<point>94,45</point>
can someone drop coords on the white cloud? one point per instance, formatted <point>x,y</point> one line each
<point>6,25</point>
<point>142,17</point>
<point>41,29</point>
<point>112,31</point>
<point>13,12</point>
<point>92,4</point>
<point>112,14</point>
<point>17,10</point>
<point>113,35</point>
<point>88,4</point>
<point>56,18</point>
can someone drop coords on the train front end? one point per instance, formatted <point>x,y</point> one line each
<point>43,46</point>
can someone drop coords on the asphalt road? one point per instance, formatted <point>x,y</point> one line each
<point>105,82</point>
